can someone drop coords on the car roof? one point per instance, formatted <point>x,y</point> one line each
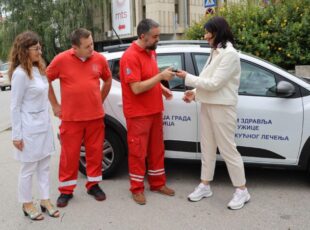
<point>122,47</point>
<point>164,47</point>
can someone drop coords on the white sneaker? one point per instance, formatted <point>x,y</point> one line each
<point>200,192</point>
<point>239,199</point>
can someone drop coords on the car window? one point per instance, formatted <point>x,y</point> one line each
<point>256,81</point>
<point>200,61</point>
<point>171,60</point>
<point>164,61</point>
<point>114,66</point>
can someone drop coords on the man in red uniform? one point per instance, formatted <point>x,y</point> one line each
<point>79,70</point>
<point>143,105</point>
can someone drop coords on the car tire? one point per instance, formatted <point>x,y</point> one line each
<point>113,153</point>
<point>3,88</point>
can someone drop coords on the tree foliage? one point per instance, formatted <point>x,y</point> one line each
<point>278,32</point>
<point>53,20</point>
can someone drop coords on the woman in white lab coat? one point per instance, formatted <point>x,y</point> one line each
<point>32,132</point>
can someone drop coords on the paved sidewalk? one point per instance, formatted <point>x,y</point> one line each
<point>280,200</point>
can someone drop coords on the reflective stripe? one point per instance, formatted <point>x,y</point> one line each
<point>156,174</point>
<point>135,179</point>
<point>137,176</point>
<point>154,171</point>
<point>91,179</point>
<point>67,183</point>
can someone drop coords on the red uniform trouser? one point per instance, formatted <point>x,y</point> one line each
<point>72,134</point>
<point>146,146</point>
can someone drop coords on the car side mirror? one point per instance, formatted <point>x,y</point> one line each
<point>285,89</point>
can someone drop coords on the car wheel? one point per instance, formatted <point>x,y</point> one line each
<point>113,152</point>
<point>3,88</point>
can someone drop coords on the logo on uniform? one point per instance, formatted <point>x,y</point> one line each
<point>95,68</point>
<point>128,71</point>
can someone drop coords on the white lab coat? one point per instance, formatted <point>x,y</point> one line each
<point>30,115</point>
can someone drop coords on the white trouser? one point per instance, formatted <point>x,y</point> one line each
<point>218,125</point>
<point>28,169</point>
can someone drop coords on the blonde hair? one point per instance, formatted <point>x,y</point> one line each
<point>19,54</point>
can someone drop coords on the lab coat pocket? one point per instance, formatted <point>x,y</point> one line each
<point>36,121</point>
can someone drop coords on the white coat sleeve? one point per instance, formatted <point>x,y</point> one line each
<point>224,71</point>
<point>19,84</point>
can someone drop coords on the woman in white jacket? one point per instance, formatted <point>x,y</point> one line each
<point>217,90</point>
<point>32,132</point>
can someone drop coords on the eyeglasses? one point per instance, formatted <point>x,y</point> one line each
<point>36,48</point>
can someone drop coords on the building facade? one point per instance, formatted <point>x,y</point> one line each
<point>174,17</point>
<point>115,21</point>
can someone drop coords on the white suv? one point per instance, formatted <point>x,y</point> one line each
<point>273,111</point>
<point>4,77</point>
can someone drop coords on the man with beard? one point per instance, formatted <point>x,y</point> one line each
<point>143,105</point>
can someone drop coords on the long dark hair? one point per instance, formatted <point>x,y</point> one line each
<point>219,27</point>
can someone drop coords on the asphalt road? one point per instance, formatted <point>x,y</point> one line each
<point>280,198</point>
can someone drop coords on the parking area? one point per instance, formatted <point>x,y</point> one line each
<point>280,200</point>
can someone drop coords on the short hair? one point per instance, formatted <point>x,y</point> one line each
<point>77,34</point>
<point>145,26</point>
<point>220,28</point>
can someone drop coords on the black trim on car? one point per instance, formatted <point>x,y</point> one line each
<point>190,146</point>
<point>304,92</point>
<point>111,122</point>
<point>304,159</point>
<point>181,146</point>
<point>258,152</point>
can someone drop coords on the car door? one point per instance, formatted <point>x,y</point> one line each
<point>269,127</point>
<point>199,61</point>
<point>180,118</point>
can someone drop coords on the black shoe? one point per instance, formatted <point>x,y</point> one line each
<point>63,200</point>
<point>97,192</point>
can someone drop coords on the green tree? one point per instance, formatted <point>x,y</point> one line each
<point>278,32</point>
<point>52,20</point>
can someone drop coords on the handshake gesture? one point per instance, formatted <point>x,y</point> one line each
<point>189,95</point>
<point>168,75</point>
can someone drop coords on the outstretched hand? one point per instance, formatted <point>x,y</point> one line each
<point>181,74</point>
<point>189,96</point>
<point>167,74</point>
<point>167,93</point>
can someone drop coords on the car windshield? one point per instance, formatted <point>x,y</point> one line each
<point>4,67</point>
